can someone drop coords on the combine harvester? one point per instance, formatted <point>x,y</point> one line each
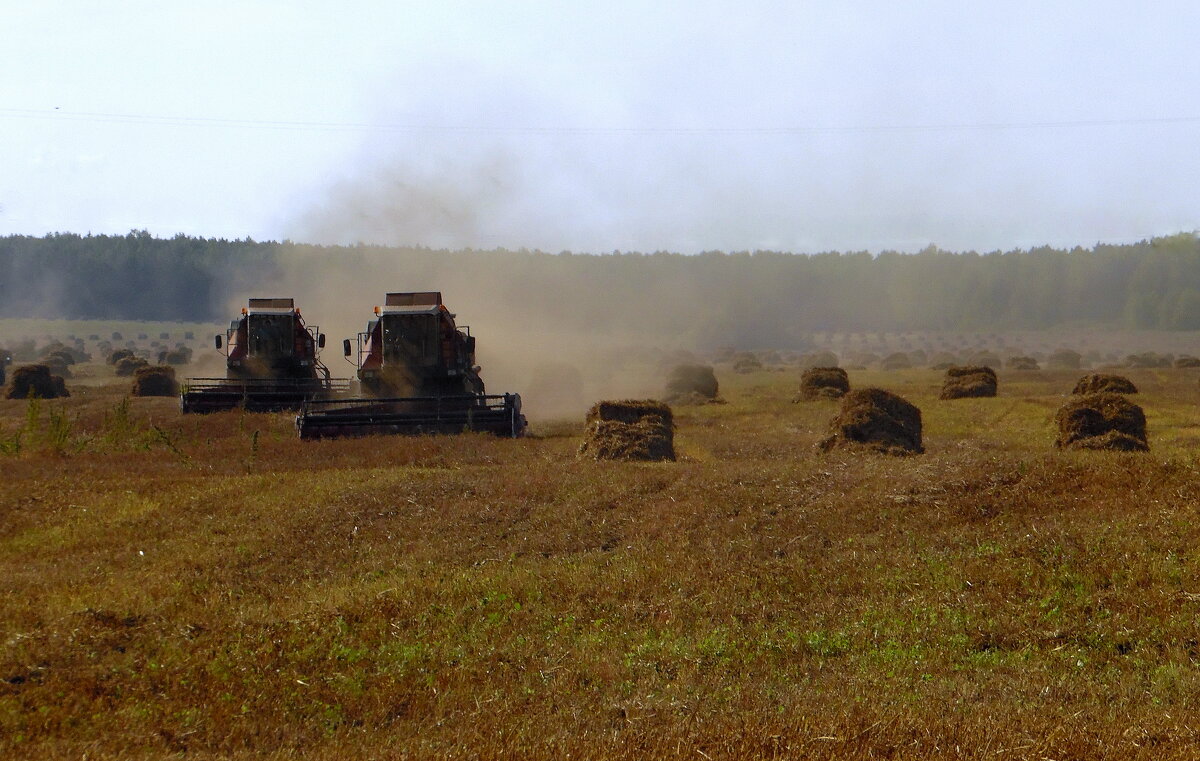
<point>417,374</point>
<point>271,364</point>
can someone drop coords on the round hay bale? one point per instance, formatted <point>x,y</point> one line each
<point>1101,421</point>
<point>632,429</point>
<point>1064,359</point>
<point>1023,363</point>
<point>1186,361</point>
<point>969,381</point>
<point>818,383</point>
<point>875,420</point>
<point>155,380</point>
<point>189,335</point>
<point>35,380</point>
<point>129,365</point>
<point>1096,383</point>
<point>691,384</point>
<point>897,361</point>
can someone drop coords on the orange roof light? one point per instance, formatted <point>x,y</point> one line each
<point>245,310</point>
<point>377,310</point>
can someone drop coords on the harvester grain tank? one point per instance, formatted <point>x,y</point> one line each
<point>271,363</point>
<point>417,373</point>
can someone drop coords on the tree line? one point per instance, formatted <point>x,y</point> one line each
<point>746,298</point>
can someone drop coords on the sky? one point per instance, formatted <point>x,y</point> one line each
<point>634,126</point>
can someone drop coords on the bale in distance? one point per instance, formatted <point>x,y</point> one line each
<point>1096,383</point>
<point>823,383</point>
<point>1064,359</point>
<point>877,421</point>
<point>746,363</point>
<point>129,365</point>
<point>818,359</point>
<point>896,361</point>
<point>969,381</point>
<point>155,380</point>
<point>118,354</point>
<point>1187,361</point>
<point>1101,421</point>
<point>35,380</point>
<point>691,384</point>
<point>1023,363</point>
<point>631,429</point>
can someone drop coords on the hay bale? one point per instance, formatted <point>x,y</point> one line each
<point>1101,421</point>
<point>969,381</point>
<point>818,359</point>
<point>1097,383</point>
<point>691,384</point>
<point>1064,359</point>
<point>985,359</point>
<point>119,354</point>
<point>129,365</point>
<point>875,420</point>
<point>747,364</point>
<point>1186,360</point>
<point>818,383</point>
<point>632,429</point>
<point>35,380</point>
<point>896,361</point>
<point>155,380</point>
<point>1023,363</point>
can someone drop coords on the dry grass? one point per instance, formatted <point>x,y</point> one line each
<point>211,587</point>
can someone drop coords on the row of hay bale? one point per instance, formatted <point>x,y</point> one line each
<point>39,380</point>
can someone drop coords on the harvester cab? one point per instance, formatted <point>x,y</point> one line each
<point>271,363</point>
<point>413,348</point>
<point>417,373</point>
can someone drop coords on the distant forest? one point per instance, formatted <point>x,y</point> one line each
<point>1153,284</point>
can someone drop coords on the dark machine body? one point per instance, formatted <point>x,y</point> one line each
<point>271,363</point>
<point>417,374</point>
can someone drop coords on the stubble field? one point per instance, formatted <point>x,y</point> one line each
<point>212,587</point>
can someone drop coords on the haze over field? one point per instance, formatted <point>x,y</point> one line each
<point>631,126</point>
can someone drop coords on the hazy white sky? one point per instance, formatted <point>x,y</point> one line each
<point>686,126</point>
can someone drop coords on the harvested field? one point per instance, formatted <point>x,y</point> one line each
<point>211,587</point>
<point>155,380</point>
<point>633,429</point>
<point>969,381</point>
<point>1096,383</point>
<point>35,381</point>
<point>817,383</point>
<point>1101,421</point>
<point>691,384</point>
<point>876,420</point>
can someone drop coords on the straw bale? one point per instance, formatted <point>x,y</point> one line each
<point>1023,363</point>
<point>969,381</point>
<point>896,361</point>
<point>35,380</point>
<point>691,384</point>
<point>1187,360</point>
<point>818,383</point>
<point>119,354</point>
<point>1101,421</point>
<point>1064,359</point>
<point>818,359</point>
<point>1094,383</point>
<point>875,420</point>
<point>155,380</point>
<point>129,365</point>
<point>631,429</point>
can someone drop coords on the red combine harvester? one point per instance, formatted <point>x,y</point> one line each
<point>271,364</point>
<point>417,372</point>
